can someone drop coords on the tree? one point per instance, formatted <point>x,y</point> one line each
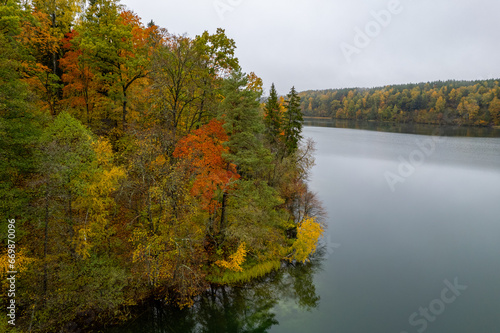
<point>40,72</point>
<point>293,122</point>
<point>468,109</point>
<point>235,260</point>
<point>440,104</point>
<point>175,66</point>
<point>61,15</point>
<point>114,42</point>
<point>81,89</point>
<point>187,76</point>
<point>308,234</point>
<point>96,202</point>
<point>494,109</point>
<point>20,122</point>
<point>255,215</point>
<point>203,152</point>
<point>217,54</point>
<point>66,154</point>
<point>272,117</point>
<point>243,123</point>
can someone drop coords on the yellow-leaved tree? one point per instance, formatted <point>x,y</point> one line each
<point>235,259</point>
<point>96,202</point>
<point>308,233</point>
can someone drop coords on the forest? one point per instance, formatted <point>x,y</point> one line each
<point>468,103</point>
<point>137,164</point>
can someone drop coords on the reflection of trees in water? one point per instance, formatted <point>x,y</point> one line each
<point>413,128</point>
<point>243,309</point>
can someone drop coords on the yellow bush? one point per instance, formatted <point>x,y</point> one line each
<point>308,234</point>
<point>235,260</point>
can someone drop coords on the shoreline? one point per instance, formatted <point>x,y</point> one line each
<point>399,123</point>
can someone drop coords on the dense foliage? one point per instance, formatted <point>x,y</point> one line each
<point>139,164</point>
<point>450,102</point>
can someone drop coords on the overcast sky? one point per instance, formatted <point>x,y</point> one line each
<point>321,44</point>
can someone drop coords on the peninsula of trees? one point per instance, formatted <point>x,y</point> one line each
<point>472,103</point>
<point>138,164</point>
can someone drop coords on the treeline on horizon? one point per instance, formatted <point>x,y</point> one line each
<point>470,103</point>
<point>139,164</point>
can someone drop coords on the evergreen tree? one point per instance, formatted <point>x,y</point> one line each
<point>272,118</point>
<point>243,124</point>
<point>293,122</point>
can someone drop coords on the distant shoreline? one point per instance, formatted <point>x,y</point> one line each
<point>397,123</point>
<point>326,118</point>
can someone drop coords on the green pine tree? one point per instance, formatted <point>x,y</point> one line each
<point>272,118</point>
<point>293,122</point>
<point>244,125</point>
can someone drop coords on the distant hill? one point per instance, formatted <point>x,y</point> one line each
<point>440,102</point>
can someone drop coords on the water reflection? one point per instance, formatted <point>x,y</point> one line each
<point>422,129</point>
<point>242,309</point>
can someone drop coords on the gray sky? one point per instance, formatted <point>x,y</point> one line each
<point>317,44</point>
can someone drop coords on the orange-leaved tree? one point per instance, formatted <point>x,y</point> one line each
<point>81,88</point>
<point>203,150</point>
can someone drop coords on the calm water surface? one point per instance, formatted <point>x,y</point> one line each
<point>391,251</point>
<point>417,253</point>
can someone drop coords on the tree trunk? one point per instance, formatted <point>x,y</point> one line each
<point>124,108</point>
<point>54,55</point>
<point>223,213</point>
<point>70,220</point>
<point>45,244</point>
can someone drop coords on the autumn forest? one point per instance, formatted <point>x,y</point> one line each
<point>469,103</point>
<point>138,164</point>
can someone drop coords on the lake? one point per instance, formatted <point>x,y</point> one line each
<point>412,245</point>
